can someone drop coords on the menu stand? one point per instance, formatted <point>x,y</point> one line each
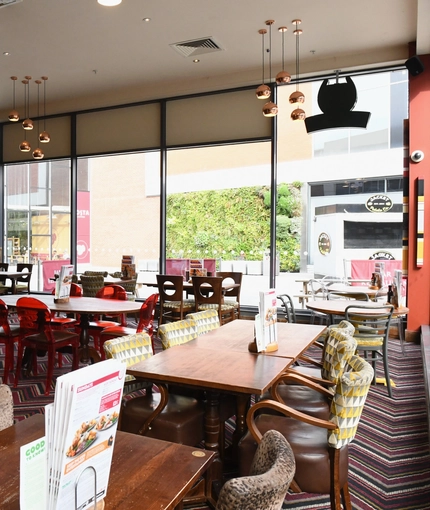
<point>98,505</point>
<point>272,347</point>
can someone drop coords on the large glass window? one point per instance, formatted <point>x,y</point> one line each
<point>118,212</point>
<point>218,213</point>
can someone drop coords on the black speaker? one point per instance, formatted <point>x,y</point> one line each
<point>414,65</point>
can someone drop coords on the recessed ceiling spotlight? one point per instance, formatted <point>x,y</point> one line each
<point>109,3</point>
<point>6,53</point>
<point>196,61</point>
<point>146,20</point>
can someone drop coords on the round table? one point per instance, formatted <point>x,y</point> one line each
<point>85,307</point>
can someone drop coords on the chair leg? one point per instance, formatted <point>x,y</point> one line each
<point>387,375</point>
<point>18,364</point>
<point>50,370</point>
<point>75,354</point>
<point>346,499</point>
<point>335,498</point>
<point>8,362</point>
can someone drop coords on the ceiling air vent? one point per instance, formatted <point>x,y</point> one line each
<point>5,3</point>
<point>196,46</point>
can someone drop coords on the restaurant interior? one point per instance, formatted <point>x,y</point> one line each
<point>201,170</point>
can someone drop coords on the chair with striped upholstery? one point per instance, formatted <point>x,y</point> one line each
<point>161,415</point>
<point>232,296</point>
<point>177,333</point>
<point>208,295</point>
<point>206,321</point>
<point>173,306</point>
<point>320,446</point>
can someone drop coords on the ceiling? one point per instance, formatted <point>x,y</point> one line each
<point>97,56</point>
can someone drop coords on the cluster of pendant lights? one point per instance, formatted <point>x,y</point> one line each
<point>297,98</point>
<point>27,123</point>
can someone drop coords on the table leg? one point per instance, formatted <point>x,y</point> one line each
<point>214,478</point>
<point>86,352</point>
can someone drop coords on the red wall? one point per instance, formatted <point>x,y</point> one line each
<point>419,139</point>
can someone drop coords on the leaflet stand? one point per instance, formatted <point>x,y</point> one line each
<point>98,505</point>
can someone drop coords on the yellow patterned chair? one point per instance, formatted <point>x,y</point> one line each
<point>320,446</point>
<point>158,414</point>
<point>177,333</point>
<point>205,321</point>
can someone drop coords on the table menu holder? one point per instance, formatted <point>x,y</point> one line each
<point>98,505</point>
<point>62,284</point>
<point>265,324</point>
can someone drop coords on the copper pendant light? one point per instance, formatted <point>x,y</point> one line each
<point>27,124</point>
<point>13,115</point>
<point>44,136</point>
<point>297,97</point>
<point>283,77</point>
<point>270,109</point>
<point>25,146</point>
<point>263,91</point>
<point>37,153</point>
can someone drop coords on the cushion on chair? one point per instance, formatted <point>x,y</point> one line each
<point>177,333</point>
<point>272,471</point>
<point>188,304</point>
<point>206,321</point>
<point>6,407</point>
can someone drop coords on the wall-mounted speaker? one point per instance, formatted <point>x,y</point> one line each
<point>414,65</point>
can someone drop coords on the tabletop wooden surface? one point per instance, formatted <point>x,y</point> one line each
<point>146,473</point>
<point>338,306</point>
<point>81,305</point>
<point>293,339</point>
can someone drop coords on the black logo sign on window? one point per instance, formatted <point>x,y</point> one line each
<point>379,203</point>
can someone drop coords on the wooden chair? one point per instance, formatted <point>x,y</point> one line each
<point>91,284</point>
<point>232,296</point>
<point>320,447</point>
<point>146,324</point>
<point>208,295</point>
<point>23,282</point>
<point>173,306</point>
<point>270,476</point>
<point>161,415</point>
<point>39,337</point>
<point>9,335</point>
<point>372,327</point>
<point>4,289</point>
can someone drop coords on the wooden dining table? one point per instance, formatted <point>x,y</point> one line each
<point>84,307</point>
<point>145,473</point>
<point>13,276</point>
<point>338,307</point>
<point>226,366</point>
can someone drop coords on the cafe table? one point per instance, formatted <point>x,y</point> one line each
<point>222,368</point>
<point>145,473</point>
<point>84,307</point>
<point>338,307</point>
<point>364,289</point>
<point>13,276</point>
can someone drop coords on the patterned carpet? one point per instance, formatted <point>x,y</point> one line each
<point>389,458</point>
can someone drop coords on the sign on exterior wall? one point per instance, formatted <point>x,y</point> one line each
<point>381,255</point>
<point>324,243</point>
<point>379,203</point>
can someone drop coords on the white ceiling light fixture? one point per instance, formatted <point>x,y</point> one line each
<point>109,3</point>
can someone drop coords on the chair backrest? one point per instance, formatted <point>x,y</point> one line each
<point>6,407</point>
<point>205,321</point>
<point>129,286</point>
<point>348,401</point>
<point>372,324</point>
<point>91,284</point>
<point>4,266</point>
<point>231,277</point>
<point>339,346</point>
<point>112,292</point>
<point>170,287</point>
<point>96,273</point>
<point>318,289</point>
<point>147,314</point>
<point>272,471</point>
<point>357,296</point>
<point>177,333</point>
<point>208,290</point>
<point>34,316</point>
<point>26,270</point>
<point>129,349</point>
<point>288,305</point>
<point>4,313</point>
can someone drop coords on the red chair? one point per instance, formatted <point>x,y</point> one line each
<point>146,324</point>
<point>59,322</point>
<point>99,323</point>
<point>38,336</point>
<point>9,334</point>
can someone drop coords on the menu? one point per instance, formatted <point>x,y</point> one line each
<point>63,284</point>
<point>128,267</point>
<point>266,320</point>
<point>80,430</point>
